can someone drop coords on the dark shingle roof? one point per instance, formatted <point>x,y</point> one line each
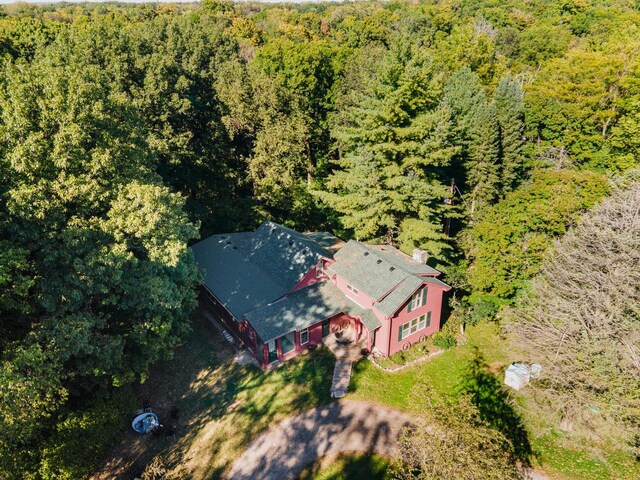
<point>284,254</point>
<point>382,272</point>
<point>366,316</point>
<point>326,240</point>
<point>237,283</point>
<point>305,307</point>
<point>389,304</point>
<point>365,270</point>
<point>248,270</point>
<point>400,259</point>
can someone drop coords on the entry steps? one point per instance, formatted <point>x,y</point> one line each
<point>218,326</point>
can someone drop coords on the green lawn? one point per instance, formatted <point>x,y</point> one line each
<point>444,374</point>
<point>579,465</point>
<point>224,406</point>
<point>349,467</point>
<point>418,350</point>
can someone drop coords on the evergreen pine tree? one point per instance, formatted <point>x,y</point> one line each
<point>483,163</point>
<point>510,114</point>
<point>464,95</point>
<point>394,140</point>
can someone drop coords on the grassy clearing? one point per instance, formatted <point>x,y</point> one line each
<point>572,464</point>
<point>222,406</point>
<point>417,351</point>
<point>444,375</point>
<point>349,467</point>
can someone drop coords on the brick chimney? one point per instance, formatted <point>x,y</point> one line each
<point>419,255</point>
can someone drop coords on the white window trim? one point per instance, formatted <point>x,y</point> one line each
<point>416,300</point>
<point>307,332</point>
<point>407,328</point>
<point>352,289</point>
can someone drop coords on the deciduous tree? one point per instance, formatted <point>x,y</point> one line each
<point>580,320</point>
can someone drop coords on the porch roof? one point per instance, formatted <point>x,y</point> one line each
<point>303,308</point>
<point>367,317</point>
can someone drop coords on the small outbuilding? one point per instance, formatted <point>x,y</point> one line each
<point>519,375</point>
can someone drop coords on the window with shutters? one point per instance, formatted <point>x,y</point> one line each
<point>415,325</point>
<point>418,299</point>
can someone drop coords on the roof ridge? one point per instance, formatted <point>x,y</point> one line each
<point>375,252</point>
<point>402,259</point>
<point>294,233</point>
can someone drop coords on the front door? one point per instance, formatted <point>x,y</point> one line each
<point>273,352</point>
<point>325,328</point>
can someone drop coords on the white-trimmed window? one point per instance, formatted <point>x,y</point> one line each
<point>418,299</point>
<point>352,289</point>
<point>319,272</point>
<point>415,325</point>
<point>304,336</point>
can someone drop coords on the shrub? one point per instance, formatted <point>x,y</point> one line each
<point>444,340</point>
<point>483,307</point>
<point>82,438</point>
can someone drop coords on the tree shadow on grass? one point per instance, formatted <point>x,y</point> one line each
<point>249,400</point>
<point>349,467</point>
<point>221,405</point>
<point>496,406</point>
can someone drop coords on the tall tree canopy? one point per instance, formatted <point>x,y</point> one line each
<point>124,128</point>
<point>97,282</point>
<point>394,141</point>
<point>506,246</point>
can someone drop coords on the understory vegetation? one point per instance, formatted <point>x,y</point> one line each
<point>349,467</point>
<point>500,136</point>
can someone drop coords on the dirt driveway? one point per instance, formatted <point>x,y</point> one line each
<point>345,426</point>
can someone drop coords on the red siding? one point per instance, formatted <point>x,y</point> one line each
<point>360,298</point>
<point>433,305</point>
<point>386,336</point>
<point>382,337</point>
<point>315,338</point>
<point>315,334</point>
<point>309,279</point>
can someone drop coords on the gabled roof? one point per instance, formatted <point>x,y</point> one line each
<point>249,270</point>
<point>305,307</point>
<point>389,304</point>
<point>365,270</point>
<point>384,273</point>
<point>239,284</point>
<point>251,273</point>
<point>286,255</point>
<point>402,260</point>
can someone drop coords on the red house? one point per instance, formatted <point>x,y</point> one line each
<point>282,291</point>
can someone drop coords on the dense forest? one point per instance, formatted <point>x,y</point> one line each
<point>479,130</point>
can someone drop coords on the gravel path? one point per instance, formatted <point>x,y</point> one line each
<point>346,426</point>
<point>341,378</point>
